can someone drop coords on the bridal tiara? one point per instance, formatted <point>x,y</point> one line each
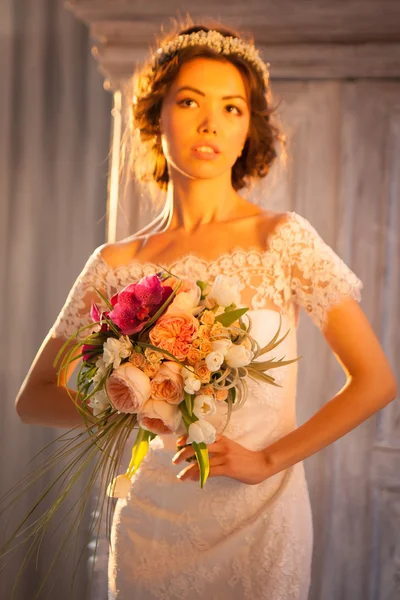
<point>218,42</point>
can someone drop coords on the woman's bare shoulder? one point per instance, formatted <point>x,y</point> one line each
<point>121,252</point>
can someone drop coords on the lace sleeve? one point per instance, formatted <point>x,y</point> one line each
<point>319,277</point>
<point>76,311</point>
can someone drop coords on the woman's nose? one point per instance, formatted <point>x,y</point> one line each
<point>208,125</point>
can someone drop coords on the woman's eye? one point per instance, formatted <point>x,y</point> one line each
<point>235,107</point>
<point>191,100</point>
<point>185,100</point>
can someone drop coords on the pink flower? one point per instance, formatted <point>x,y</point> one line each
<point>97,316</point>
<point>137,303</point>
<point>167,384</point>
<point>91,352</point>
<point>128,388</point>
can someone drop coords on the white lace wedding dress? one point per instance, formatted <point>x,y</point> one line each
<point>230,541</point>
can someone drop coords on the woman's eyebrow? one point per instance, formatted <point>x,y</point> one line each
<point>188,87</point>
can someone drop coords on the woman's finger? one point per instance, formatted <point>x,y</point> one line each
<point>193,471</point>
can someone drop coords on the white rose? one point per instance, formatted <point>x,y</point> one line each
<point>188,300</point>
<point>99,402</point>
<point>114,350</point>
<point>160,417</point>
<point>214,361</point>
<point>119,487</point>
<point>192,384</point>
<point>221,346</point>
<point>238,356</point>
<point>201,431</point>
<point>203,406</point>
<point>225,290</point>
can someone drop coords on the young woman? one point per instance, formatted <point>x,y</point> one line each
<point>202,122</point>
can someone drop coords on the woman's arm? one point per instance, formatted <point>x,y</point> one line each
<point>50,405</point>
<point>370,386</point>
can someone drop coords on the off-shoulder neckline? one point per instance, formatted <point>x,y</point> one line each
<point>199,259</point>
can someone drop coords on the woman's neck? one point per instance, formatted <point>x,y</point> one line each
<point>200,202</point>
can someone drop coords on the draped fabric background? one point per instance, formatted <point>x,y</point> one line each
<point>54,145</point>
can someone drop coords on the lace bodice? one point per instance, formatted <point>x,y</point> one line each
<point>296,269</point>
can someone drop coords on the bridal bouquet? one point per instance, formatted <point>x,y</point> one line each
<point>163,356</point>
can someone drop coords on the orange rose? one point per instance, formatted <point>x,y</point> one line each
<point>175,332</point>
<point>207,317</point>
<point>206,346</point>
<point>221,394</point>
<point>208,390</point>
<point>168,384</point>
<point>193,356</point>
<point>151,369</point>
<point>202,372</point>
<point>205,331</point>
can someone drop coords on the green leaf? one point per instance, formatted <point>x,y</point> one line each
<point>109,305</point>
<point>139,450</point>
<point>202,284</point>
<point>230,307</point>
<point>189,403</point>
<point>203,461</point>
<point>232,393</point>
<point>230,317</point>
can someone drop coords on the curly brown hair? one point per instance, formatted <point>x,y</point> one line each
<point>141,146</point>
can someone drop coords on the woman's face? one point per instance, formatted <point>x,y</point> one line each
<point>215,110</point>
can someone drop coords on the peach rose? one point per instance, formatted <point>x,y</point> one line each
<point>218,331</point>
<point>202,372</point>
<point>187,298</point>
<point>187,284</point>
<point>193,356</point>
<point>160,417</point>
<point>207,317</point>
<point>205,346</point>
<point>137,359</point>
<point>175,332</point>
<point>168,384</point>
<point>204,331</point>
<point>208,390</point>
<point>128,388</point>
<point>221,394</point>
<point>151,369</point>
<point>152,355</point>
<point>196,343</point>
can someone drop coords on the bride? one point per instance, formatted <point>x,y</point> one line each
<point>202,119</point>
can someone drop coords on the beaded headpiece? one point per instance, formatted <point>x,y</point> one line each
<point>218,42</point>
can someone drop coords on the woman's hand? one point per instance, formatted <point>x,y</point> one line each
<point>227,458</point>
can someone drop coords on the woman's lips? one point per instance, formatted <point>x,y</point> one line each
<point>205,155</point>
